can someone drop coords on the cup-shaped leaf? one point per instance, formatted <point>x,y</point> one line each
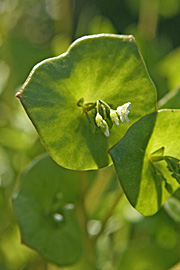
<point>145,177</point>
<point>45,207</point>
<point>99,67</point>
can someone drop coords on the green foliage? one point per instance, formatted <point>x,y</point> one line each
<point>45,210</point>
<point>146,182</point>
<point>73,101</point>
<point>113,234</point>
<point>102,67</point>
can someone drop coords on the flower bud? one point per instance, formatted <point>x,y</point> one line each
<point>104,127</point>
<point>98,119</point>
<point>114,117</point>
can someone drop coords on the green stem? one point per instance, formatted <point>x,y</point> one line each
<point>87,115</point>
<point>97,102</point>
<point>173,158</point>
<point>159,158</point>
<point>156,158</point>
<point>109,214</point>
<point>82,187</point>
<point>90,252</point>
<point>148,18</point>
<point>97,188</point>
<point>103,102</point>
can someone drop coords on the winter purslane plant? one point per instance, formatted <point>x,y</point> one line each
<point>79,103</point>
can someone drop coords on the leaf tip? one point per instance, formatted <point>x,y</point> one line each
<point>22,241</point>
<point>110,150</point>
<point>131,38</point>
<point>18,94</point>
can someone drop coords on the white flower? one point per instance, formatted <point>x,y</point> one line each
<point>123,111</point>
<point>114,117</point>
<point>98,119</point>
<point>104,127</point>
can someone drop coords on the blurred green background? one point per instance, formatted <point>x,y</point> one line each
<point>33,30</point>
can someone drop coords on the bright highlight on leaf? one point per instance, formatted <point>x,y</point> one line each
<point>104,68</point>
<point>147,160</point>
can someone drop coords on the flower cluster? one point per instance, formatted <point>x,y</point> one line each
<point>101,115</point>
<point>106,116</point>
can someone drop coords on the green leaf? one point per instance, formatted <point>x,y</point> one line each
<point>158,154</point>
<point>100,67</point>
<point>45,207</point>
<point>148,184</point>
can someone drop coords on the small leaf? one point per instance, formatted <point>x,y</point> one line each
<point>100,67</point>
<point>80,102</point>
<point>148,184</point>
<point>157,155</point>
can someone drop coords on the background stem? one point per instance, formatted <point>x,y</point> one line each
<point>90,249</point>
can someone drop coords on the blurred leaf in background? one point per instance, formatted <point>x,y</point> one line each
<point>33,30</point>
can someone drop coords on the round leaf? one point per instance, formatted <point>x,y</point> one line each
<point>100,67</point>
<point>45,210</point>
<point>148,184</point>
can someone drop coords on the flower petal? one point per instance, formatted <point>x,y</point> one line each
<point>119,109</point>
<point>106,132</point>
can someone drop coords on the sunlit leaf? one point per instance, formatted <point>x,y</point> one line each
<point>100,67</point>
<point>147,182</point>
